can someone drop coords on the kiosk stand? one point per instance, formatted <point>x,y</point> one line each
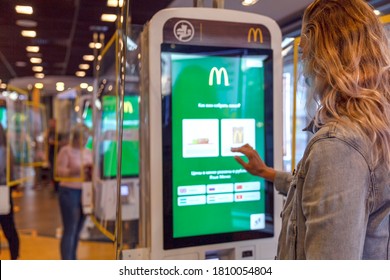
<point>211,80</point>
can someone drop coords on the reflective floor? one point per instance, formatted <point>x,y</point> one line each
<point>38,222</point>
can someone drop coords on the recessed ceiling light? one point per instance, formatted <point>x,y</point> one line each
<point>33,49</point>
<point>90,88</point>
<point>38,85</point>
<point>84,66</point>
<point>36,60</point>
<point>60,86</point>
<point>377,12</point>
<point>93,45</point>
<point>27,10</point>
<point>26,23</point>
<point>88,57</point>
<point>29,33</point>
<point>39,75</point>
<point>108,17</point>
<point>80,74</point>
<point>84,85</point>
<point>114,3</point>
<point>37,68</point>
<point>248,2</point>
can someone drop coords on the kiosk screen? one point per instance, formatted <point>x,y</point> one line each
<point>214,99</point>
<point>3,114</point>
<point>130,143</point>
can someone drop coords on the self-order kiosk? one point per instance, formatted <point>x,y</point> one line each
<point>211,80</point>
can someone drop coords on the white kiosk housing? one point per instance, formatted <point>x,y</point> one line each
<point>211,80</point>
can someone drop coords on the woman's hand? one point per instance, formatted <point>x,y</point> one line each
<point>255,164</point>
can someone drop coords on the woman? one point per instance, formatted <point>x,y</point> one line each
<point>338,199</point>
<point>74,163</point>
<point>7,220</point>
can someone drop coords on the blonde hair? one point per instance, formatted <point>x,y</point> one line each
<point>79,133</point>
<point>348,62</point>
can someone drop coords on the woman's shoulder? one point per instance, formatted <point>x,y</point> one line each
<point>335,129</point>
<point>335,132</point>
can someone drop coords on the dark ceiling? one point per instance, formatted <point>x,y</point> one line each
<point>64,30</point>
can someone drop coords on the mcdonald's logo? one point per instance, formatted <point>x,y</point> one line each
<point>254,32</point>
<point>128,107</point>
<point>218,73</point>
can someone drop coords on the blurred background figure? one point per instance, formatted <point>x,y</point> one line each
<point>52,144</point>
<point>74,165</point>
<point>7,220</point>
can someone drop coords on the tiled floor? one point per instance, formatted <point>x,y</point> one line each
<point>38,221</point>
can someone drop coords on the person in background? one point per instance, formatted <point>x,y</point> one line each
<point>52,142</point>
<point>338,198</point>
<point>7,220</point>
<point>74,165</point>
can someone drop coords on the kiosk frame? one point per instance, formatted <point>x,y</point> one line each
<point>151,140</point>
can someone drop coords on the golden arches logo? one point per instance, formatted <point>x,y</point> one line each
<point>255,32</point>
<point>128,107</point>
<point>218,72</point>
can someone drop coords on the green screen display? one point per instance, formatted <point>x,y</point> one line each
<point>3,117</point>
<point>130,143</point>
<point>88,121</point>
<point>218,101</point>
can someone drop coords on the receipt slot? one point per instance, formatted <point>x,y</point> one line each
<point>211,80</point>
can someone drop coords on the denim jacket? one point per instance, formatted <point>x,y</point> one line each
<point>338,204</point>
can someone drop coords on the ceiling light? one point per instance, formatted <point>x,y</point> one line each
<point>33,49</point>
<point>84,85</point>
<point>108,17</point>
<point>27,10</point>
<point>90,88</point>
<point>37,68</point>
<point>29,33</point>
<point>80,74</point>
<point>60,86</point>
<point>114,3</point>
<point>36,60</point>
<point>3,86</point>
<point>26,23</point>
<point>93,45</point>
<point>84,66</point>
<point>20,64</point>
<point>38,85</point>
<point>39,75</point>
<point>88,57</point>
<point>377,12</point>
<point>249,2</point>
